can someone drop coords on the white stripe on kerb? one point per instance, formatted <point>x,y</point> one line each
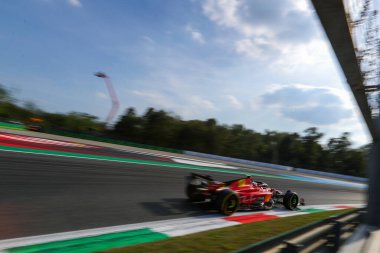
<point>173,227</point>
<point>202,163</point>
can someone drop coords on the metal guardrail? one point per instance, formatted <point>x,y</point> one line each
<point>322,236</point>
<point>333,175</point>
<point>275,166</point>
<point>366,239</point>
<point>237,160</point>
<point>373,243</point>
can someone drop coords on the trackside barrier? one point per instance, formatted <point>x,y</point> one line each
<point>366,239</point>
<point>236,160</point>
<point>335,175</point>
<point>327,234</point>
<point>276,166</point>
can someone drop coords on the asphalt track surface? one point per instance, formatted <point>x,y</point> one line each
<point>42,194</point>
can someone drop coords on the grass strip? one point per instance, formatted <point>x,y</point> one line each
<point>12,126</point>
<point>230,238</point>
<point>94,243</point>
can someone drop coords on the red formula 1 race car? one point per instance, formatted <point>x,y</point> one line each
<point>239,194</point>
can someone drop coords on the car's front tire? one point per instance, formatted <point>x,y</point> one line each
<point>291,200</point>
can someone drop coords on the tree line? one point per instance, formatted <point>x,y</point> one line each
<point>162,128</point>
<point>12,110</point>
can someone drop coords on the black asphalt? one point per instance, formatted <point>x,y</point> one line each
<point>44,194</point>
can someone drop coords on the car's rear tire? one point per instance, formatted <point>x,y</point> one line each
<point>227,202</point>
<point>291,200</point>
<point>193,194</point>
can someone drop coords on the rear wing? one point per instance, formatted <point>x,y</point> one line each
<point>206,177</point>
<point>209,178</point>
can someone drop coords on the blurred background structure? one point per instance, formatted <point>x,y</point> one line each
<point>113,96</point>
<point>353,31</point>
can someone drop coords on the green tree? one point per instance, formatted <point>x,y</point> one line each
<point>5,95</point>
<point>130,126</point>
<point>289,149</point>
<point>312,150</point>
<point>160,128</point>
<point>339,150</point>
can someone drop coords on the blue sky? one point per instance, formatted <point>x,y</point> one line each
<point>265,64</point>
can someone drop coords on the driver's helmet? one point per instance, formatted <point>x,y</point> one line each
<point>249,180</point>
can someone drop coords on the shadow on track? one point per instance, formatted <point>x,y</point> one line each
<point>174,206</point>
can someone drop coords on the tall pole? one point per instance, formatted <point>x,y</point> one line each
<point>333,17</point>
<point>373,217</point>
<point>112,93</point>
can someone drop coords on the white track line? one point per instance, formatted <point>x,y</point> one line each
<point>202,163</point>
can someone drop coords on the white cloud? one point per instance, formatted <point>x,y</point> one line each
<point>195,34</point>
<point>101,95</point>
<point>226,13</point>
<point>288,57</point>
<point>359,132</point>
<point>288,39</point>
<point>255,104</point>
<point>314,105</point>
<point>148,39</point>
<point>248,48</point>
<point>303,6</point>
<point>75,3</point>
<point>312,54</point>
<point>201,103</point>
<point>155,97</point>
<point>186,106</point>
<point>234,102</point>
<point>317,115</point>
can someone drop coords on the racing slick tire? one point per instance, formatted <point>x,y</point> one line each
<point>227,202</point>
<point>193,193</point>
<point>291,200</point>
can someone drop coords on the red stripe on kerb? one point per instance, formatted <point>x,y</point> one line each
<point>252,218</point>
<point>15,145</point>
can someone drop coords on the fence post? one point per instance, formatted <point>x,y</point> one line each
<point>373,217</point>
<point>337,229</point>
<point>291,247</point>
